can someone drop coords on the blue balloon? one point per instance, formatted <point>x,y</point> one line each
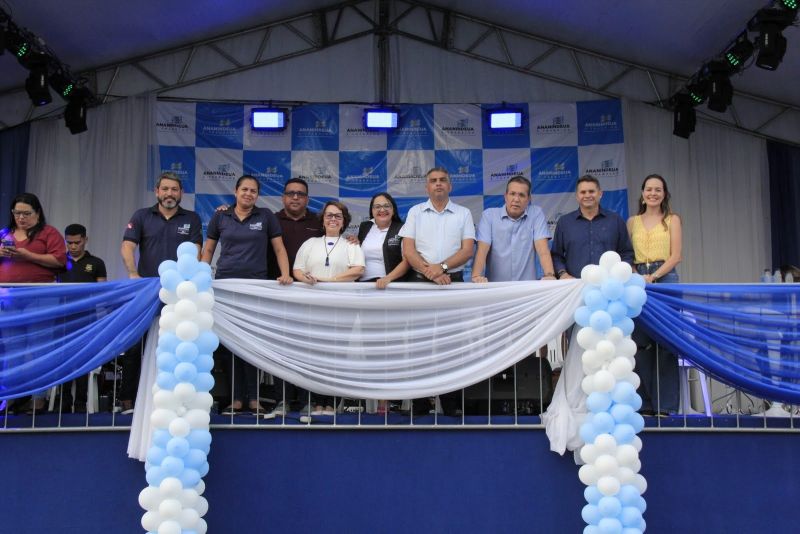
<point>609,506</point>
<point>166,380</point>
<point>598,402</point>
<point>623,392</point>
<point>595,300</point>
<point>621,412</point>
<point>636,421</point>
<point>636,402</point>
<point>628,495</point>
<point>172,466</point>
<point>185,372</point>
<point>632,312</point>
<point>156,455</point>
<point>161,437</point>
<point>636,280</point>
<point>187,265</point>
<point>170,280</point>
<point>582,315</point>
<point>167,265</point>
<point>610,525</point>
<point>204,363</point>
<point>154,476</point>
<point>189,478</point>
<point>204,267</point>
<point>178,447</point>
<point>199,438</point>
<point>623,433</point>
<point>591,529</point>
<point>168,342</point>
<point>186,351</point>
<point>631,530</point>
<point>590,514</point>
<point>600,321</point>
<point>166,361</point>
<point>603,423</point>
<point>203,382</point>
<point>203,469</point>
<point>593,495</point>
<point>626,325</point>
<point>641,504</point>
<point>195,458</point>
<point>187,247</point>
<point>617,310</point>
<point>634,296</point>
<point>202,280</point>
<point>612,289</point>
<point>587,432</point>
<point>207,342</point>
<point>630,516</point>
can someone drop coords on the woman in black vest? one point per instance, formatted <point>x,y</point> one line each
<point>381,244</point>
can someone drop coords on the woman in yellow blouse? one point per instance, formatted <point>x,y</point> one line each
<point>656,236</point>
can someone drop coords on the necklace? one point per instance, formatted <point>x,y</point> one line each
<point>328,252</point>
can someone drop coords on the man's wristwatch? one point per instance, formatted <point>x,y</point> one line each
<point>443,265</point>
<point>561,273</point>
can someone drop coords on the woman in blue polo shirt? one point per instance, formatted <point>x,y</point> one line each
<point>245,232</point>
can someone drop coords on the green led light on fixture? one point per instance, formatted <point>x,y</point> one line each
<point>23,49</point>
<point>67,90</point>
<point>791,4</point>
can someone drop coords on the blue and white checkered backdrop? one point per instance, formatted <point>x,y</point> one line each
<point>209,145</point>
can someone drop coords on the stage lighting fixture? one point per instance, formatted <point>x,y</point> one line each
<point>36,84</point>
<point>268,119</point>
<point>771,44</point>
<point>697,87</point>
<point>738,52</point>
<point>16,44</point>
<point>75,114</point>
<point>505,119</point>
<point>720,90</point>
<point>381,119</point>
<point>62,82</point>
<point>684,117</point>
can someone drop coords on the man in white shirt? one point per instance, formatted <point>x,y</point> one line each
<point>439,235</point>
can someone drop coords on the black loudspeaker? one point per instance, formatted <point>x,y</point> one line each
<point>533,378</point>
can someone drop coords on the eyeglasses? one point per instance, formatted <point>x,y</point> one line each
<point>334,216</point>
<point>381,206</point>
<point>21,214</point>
<point>298,194</point>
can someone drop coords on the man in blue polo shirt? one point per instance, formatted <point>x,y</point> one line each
<point>509,236</point>
<point>582,236</point>
<point>157,231</point>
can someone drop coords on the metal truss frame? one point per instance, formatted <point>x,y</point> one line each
<point>455,32</point>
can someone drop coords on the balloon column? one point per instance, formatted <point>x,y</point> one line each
<point>176,460</point>
<point>612,297</point>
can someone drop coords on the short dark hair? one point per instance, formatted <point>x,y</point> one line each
<point>296,181</point>
<point>395,214</point>
<point>169,176</point>
<point>437,169</point>
<point>588,178</point>
<point>519,179</point>
<point>248,177</point>
<point>75,229</point>
<point>345,215</point>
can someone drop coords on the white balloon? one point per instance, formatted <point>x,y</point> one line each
<point>604,381</point>
<point>181,411</point>
<point>588,337</point>
<point>165,399</point>
<point>170,488</point>
<point>608,485</point>
<point>626,475</point>
<point>201,506</point>
<point>594,275</point>
<point>187,331</point>
<point>186,290</point>
<point>185,309</point>
<point>587,384</point>
<point>637,466</point>
<point>204,320</point>
<point>161,417</point>
<point>620,367</point>
<point>606,464</point>
<point>634,379</point>
<point>185,392</point>
<point>609,259</point>
<point>620,271</point>
<point>204,301</point>
<point>641,484</point>
<point>169,527</point>
<point>170,508</point>
<point>179,427</point>
<point>605,443</point>
<point>201,526</point>
<point>588,474</point>
<point>188,518</point>
<point>150,521</point>
<point>589,453</point>
<point>189,498</point>
<point>169,308</point>
<point>637,443</point>
<point>149,498</point>
<point>606,349</point>
<point>167,297</point>
<point>168,321</point>
<point>198,418</point>
<point>592,359</point>
<point>627,455</point>
<point>200,487</point>
<point>627,347</point>
<point>202,401</point>
<point>614,335</point>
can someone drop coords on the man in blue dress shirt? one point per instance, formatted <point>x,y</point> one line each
<point>509,236</point>
<point>583,235</point>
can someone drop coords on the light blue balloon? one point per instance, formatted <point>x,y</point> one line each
<point>617,310</point>
<point>600,321</point>
<point>166,380</point>
<point>156,455</point>
<point>636,402</point>
<point>187,247</point>
<point>636,280</point>
<point>590,514</point>
<point>630,516</point>
<point>623,392</point>
<point>634,296</point>
<point>186,372</point>
<point>587,432</point>
<point>632,312</point>
<point>593,495</point>
<point>626,325</point>
<point>172,466</point>
<point>641,504</point>
<point>582,315</point>
<point>591,529</point>
<point>642,525</point>
<point>603,423</point>
<point>167,265</point>
<point>623,433</point>
<point>610,525</point>
<point>166,361</point>
<point>631,530</point>
<point>186,351</point>
<point>203,382</point>
<point>168,342</point>
<point>187,265</point>
<point>204,268</point>
<point>628,495</point>
<point>609,506</point>
<point>199,438</point>
<point>202,280</point>
<point>636,421</point>
<point>598,402</point>
<point>621,412</point>
<point>612,289</point>
<point>161,437</point>
<point>170,280</point>
<point>189,478</point>
<point>204,363</point>
<point>207,342</point>
<point>154,476</point>
<point>203,469</point>
<point>178,447</point>
<point>595,300</point>
<point>195,458</point>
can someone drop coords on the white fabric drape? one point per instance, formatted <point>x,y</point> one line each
<point>410,340</point>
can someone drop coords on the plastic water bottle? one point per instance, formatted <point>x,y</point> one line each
<point>776,276</point>
<point>765,277</point>
<point>789,278</point>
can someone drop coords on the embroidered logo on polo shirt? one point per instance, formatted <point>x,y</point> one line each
<point>184,229</point>
<point>256,226</point>
<point>88,268</point>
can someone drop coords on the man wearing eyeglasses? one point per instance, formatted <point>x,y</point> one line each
<point>298,223</point>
